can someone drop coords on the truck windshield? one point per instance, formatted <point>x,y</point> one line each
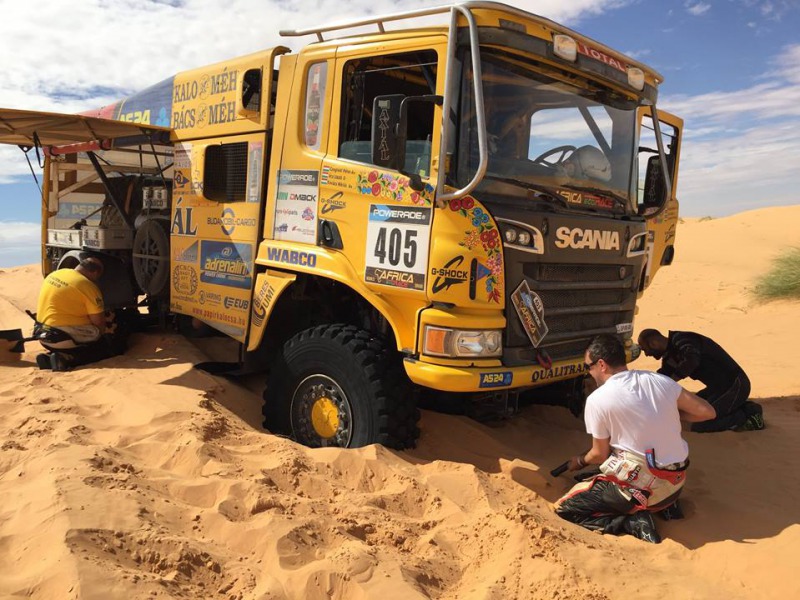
<point>548,132</point>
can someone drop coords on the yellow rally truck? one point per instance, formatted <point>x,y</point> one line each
<point>459,207</point>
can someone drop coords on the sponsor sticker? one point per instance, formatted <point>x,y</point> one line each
<point>261,301</point>
<point>292,257</point>
<point>254,158</point>
<point>449,274</point>
<point>397,245</point>
<point>624,327</point>
<point>226,263</point>
<point>228,221</point>
<point>333,203</point>
<point>184,279</point>
<point>530,310</point>
<point>296,202</point>
<point>210,298</point>
<point>560,372</point>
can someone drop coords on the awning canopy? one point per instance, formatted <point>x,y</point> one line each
<point>23,127</point>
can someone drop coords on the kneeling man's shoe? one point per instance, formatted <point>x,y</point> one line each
<point>640,525</point>
<point>672,512</point>
<point>753,423</point>
<point>58,362</point>
<point>43,361</point>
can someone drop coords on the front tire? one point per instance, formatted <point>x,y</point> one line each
<point>337,385</point>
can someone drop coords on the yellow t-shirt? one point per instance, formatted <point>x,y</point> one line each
<point>68,298</point>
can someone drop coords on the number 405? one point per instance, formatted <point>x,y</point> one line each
<point>399,244</point>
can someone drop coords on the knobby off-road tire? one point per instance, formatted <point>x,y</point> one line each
<point>337,385</point>
<point>151,257</point>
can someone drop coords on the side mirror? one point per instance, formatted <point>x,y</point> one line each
<point>387,151</point>
<point>390,132</point>
<point>655,193</point>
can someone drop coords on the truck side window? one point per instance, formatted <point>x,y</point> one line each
<point>225,172</point>
<point>315,93</point>
<point>410,74</point>
<point>648,162</point>
<point>251,89</point>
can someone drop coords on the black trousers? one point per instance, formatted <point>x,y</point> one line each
<point>106,347</point>
<point>83,354</point>
<point>732,406</point>
<point>599,505</point>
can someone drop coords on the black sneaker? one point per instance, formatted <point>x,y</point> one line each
<point>640,525</point>
<point>43,361</point>
<point>58,362</point>
<point>672,513</point>
<point>753,423</point>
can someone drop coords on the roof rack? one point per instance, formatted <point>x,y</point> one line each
<point>461,7</point>
<point>379,21</point>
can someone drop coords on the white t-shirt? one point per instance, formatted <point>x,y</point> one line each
<point>638,410</point>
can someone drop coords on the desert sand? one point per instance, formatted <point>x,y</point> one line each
<point>142,477</point>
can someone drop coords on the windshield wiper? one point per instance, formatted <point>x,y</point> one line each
<point>531,187</point>
<point>621,200</point>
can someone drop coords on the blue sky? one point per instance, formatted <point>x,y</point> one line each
<point>731,68</point>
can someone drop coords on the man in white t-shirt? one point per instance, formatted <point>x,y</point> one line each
<point>634,418</point>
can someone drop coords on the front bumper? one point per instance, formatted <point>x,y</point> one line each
<point>479,379</point>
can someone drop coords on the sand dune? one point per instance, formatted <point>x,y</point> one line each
<point>142,477</point>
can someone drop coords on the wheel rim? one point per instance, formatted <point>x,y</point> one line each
<point>321,413</point>
<point>149,259</point>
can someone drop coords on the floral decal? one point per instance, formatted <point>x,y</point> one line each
<point>390,187</point>
<point>484,234</point>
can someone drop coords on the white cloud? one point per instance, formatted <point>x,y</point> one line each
<point>639,55</point>
<point>788,64</point>
<point>697,8</point>
<point>742,147</point>
<point>19,243</point>
<point>15,234</point>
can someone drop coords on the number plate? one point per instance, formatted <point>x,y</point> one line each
<point>397,245</point>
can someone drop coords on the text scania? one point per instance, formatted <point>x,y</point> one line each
<point>292,257</point>
<point>592,239</point>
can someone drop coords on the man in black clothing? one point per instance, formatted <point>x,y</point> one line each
<point>688,354</point>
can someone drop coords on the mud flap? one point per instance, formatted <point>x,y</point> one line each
<point>268,288</point>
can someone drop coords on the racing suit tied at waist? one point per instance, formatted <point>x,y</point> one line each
<point>640,478</point>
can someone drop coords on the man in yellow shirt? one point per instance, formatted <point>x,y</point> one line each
<point>71,316</point>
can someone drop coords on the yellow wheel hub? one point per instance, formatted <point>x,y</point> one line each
<point>325,417</point>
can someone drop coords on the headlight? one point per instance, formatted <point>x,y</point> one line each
<point>458,343</point>
<point>636,78</point>
<point>521,236</point>
<point>565,47</point>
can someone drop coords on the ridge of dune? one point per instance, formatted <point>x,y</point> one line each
<point>141,477</point>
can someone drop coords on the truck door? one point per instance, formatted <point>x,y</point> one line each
<point>369,196</point>
<point>662,227</point>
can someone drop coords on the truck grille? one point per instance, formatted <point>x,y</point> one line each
<point>580,301</point>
